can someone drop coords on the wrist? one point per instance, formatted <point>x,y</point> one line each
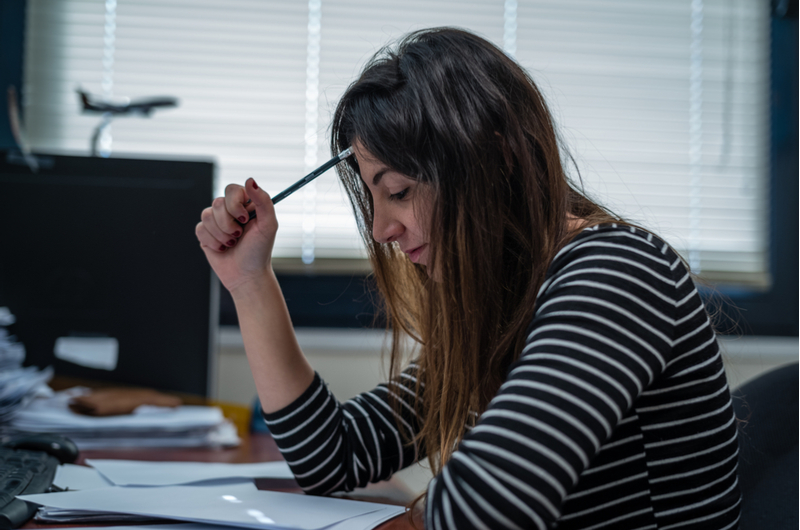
<point>254,287</point>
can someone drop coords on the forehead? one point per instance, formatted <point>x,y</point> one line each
<point>371,169</point>
<point>363,156</point>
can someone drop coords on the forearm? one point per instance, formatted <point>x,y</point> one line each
<point>332,446</point>
<point>280,370</point>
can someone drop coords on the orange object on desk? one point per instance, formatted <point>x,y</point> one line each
<point>116,401</point>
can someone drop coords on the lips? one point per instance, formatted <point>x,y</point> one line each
<point>415,253</point>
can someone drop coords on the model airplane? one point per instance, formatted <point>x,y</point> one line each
<point>119,107</point>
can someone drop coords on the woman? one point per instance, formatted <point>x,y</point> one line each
<point>567,374</point>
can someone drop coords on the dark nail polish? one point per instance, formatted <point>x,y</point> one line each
<point>237,234</point>
<point>231,242</point>
<point>242,219</point>
<point>222,247</point>
<point>255,186</point>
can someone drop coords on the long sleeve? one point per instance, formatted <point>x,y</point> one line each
<point>565,443</point>
<point>332,446</point>
<point>616,413</point>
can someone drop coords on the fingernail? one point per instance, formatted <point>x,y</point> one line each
<point>255,186</point>
<point>231,242</point>
<point>222,248</point>
<point>242,219</point>
<point>237,234</point>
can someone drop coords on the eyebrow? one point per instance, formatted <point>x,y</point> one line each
<point>379,175</point>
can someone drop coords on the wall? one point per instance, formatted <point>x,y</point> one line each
<point>351,362</point>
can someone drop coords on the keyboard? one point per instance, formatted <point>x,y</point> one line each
<point>22,472</point>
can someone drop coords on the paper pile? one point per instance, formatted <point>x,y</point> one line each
<point>219,500</point>
<point>138,473</point>
<point>147,426</point>
<point>12,353</point>
<point>18,386</point>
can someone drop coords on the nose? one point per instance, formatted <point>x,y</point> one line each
<point>385,227</point>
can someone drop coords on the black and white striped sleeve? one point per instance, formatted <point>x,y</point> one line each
<point>600,335</point>
<point>332,446</point>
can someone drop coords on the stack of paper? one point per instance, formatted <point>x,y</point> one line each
<point>18,386</point>
<point>58,516</point>
<point>138,473</point>
<point>219,499</point>
<point>147,426</point>
<point>12,353</point>
<point>232,503</point>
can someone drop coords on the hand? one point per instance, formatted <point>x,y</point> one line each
<point>237,248</point>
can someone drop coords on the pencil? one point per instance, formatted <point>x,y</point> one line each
<point>308,178</point>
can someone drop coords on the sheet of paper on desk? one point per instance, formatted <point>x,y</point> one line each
<point>367,521</point>
<point>136,473</point>
<point>78,478</point>
<point>237,504</point>
<point>47,515</point>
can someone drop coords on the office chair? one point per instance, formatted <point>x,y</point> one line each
<point>767,408</point>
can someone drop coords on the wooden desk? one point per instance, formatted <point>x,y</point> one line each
<point>254,448</point>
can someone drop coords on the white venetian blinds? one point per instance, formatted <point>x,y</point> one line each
<point>664,104</point>
<point>665,108</point>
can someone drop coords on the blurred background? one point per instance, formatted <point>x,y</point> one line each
<point>681,115</point>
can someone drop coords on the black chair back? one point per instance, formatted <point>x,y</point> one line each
<point>767,409</point>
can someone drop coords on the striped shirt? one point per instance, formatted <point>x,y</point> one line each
<point>617,413</point>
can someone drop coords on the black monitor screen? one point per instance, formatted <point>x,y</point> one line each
<point>100,264</point>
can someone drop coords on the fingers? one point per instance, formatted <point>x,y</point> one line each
<point>222,224</point>
<point>224,228</point>
<point>218,228</point>
<point>207,240</point>
<point>209,233</point>
<point>235,200</point>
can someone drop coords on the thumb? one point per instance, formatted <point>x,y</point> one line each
<point>264,208</point>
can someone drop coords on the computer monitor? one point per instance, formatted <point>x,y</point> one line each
<point>100,254</point>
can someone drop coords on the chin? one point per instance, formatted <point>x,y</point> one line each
<point>433,274</point>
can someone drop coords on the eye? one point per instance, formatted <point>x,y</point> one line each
<point>400,195</point>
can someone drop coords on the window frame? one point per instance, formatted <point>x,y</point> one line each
<point>342,300</point>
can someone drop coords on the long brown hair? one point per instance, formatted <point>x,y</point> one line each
<point>451,110</point>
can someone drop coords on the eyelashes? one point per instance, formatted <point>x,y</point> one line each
<point>400,195</point>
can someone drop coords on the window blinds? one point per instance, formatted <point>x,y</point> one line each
<point>663,104</point>
<point>665,107</point>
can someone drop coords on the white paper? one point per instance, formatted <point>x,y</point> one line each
<point>233,504</point>
<point>77,478</point>
<point>222,435</point>
<point>137,473</point>
<point>54,415</point>
<point>360,522</point>
<point>92,352</point>
<point>370,520</point>
<point>56,516</point>
<point>47,515</point>
<point>6,318</point>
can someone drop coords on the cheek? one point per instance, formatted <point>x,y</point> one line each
<point>423,213</point>
<point>417,224</point>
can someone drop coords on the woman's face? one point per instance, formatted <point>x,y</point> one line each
<point>401,206</point>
